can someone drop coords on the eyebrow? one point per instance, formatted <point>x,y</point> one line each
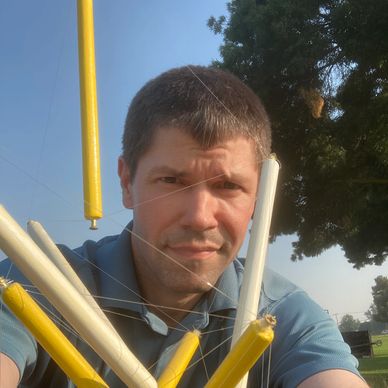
<point>168,170</point>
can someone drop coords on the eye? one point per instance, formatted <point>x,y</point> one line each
<point>169,179</point>
<point>230,185</point>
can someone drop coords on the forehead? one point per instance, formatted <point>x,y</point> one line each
<point>176,147</point>
<point>175,140</point>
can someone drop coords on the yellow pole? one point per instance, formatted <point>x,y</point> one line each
<point>38,268</point>
<point>49,336</point>
<point>89,114</point>
<point>179,361</point>
<point>247,350</point>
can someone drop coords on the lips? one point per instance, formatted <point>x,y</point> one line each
<point>193,252</point>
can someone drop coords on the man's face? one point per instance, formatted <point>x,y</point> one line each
<point>192,206</point>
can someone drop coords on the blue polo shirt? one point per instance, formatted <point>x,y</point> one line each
<point>307,340</point>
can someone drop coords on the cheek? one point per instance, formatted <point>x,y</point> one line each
<point>237,220</point>
<point>152,218</point>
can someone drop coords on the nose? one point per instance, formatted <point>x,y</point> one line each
<point>200,211</point>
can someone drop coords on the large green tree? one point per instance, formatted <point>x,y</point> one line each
<point>378,311</point>
<point>321,68</point>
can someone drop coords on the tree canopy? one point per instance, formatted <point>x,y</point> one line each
<point>378,311</point>
<point>321,69</point>
<point>348,323</point>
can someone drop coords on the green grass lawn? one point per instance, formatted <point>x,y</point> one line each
<point>383,349</point>
<point>375,369</point>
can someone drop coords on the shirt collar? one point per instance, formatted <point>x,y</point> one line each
<point>226,292</point>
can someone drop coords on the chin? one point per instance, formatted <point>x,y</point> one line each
<point>190,286</point>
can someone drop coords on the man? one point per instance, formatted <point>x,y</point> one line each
<point>193,144</point>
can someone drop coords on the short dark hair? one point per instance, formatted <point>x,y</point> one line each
<point>210,104</point>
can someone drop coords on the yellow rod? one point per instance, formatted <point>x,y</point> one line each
<point>89,114</point>
<point>38,268</point>
<point>50,337</point>
<point>244,354</point>
<point>179,361</point>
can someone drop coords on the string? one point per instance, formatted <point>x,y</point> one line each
<point>269,363</point>
<point>163,307</point>
<point>29,288</point>
<point>225,107</point>
<point>158,307</point>
<point>177,191</point>
<point>139,237</point>
<point>56,318</point>
<point>163,253</point>
<point>216,289</point>
<point>49,114</point>
<point>144,202</point>
<point>185,329</point>
<point>62,323</point>
<point>130,231</point>
<point>262,372</point>
<point>202,357</point>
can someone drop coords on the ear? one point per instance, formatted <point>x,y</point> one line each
<point>125,182</point>
<point>253,212</point>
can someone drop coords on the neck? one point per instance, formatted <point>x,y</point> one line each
<point>170,308</point>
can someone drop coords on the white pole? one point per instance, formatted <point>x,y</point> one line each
<point>19,247</point>
<point>47,245</point>
<point>257,251</point>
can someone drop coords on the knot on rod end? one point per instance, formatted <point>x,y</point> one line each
<point>4,282</point>
<point>270,320</point>
<point>93,224</point>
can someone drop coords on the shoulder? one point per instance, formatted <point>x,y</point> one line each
<point>86,259</point>
<point>274,288</point>
<point>86,254</point>
<point>307,340</point>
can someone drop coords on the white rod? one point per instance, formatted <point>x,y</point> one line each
<point>257,250</point>
<point>27,256</point>
<point>47,245</point>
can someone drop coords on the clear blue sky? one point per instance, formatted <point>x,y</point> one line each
<point>40,149</point>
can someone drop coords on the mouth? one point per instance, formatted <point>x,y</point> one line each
<point>192,252</point>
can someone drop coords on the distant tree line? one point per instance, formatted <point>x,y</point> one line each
<point>377,314</point>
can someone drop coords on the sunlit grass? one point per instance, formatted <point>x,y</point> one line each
<point>375,369</point>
